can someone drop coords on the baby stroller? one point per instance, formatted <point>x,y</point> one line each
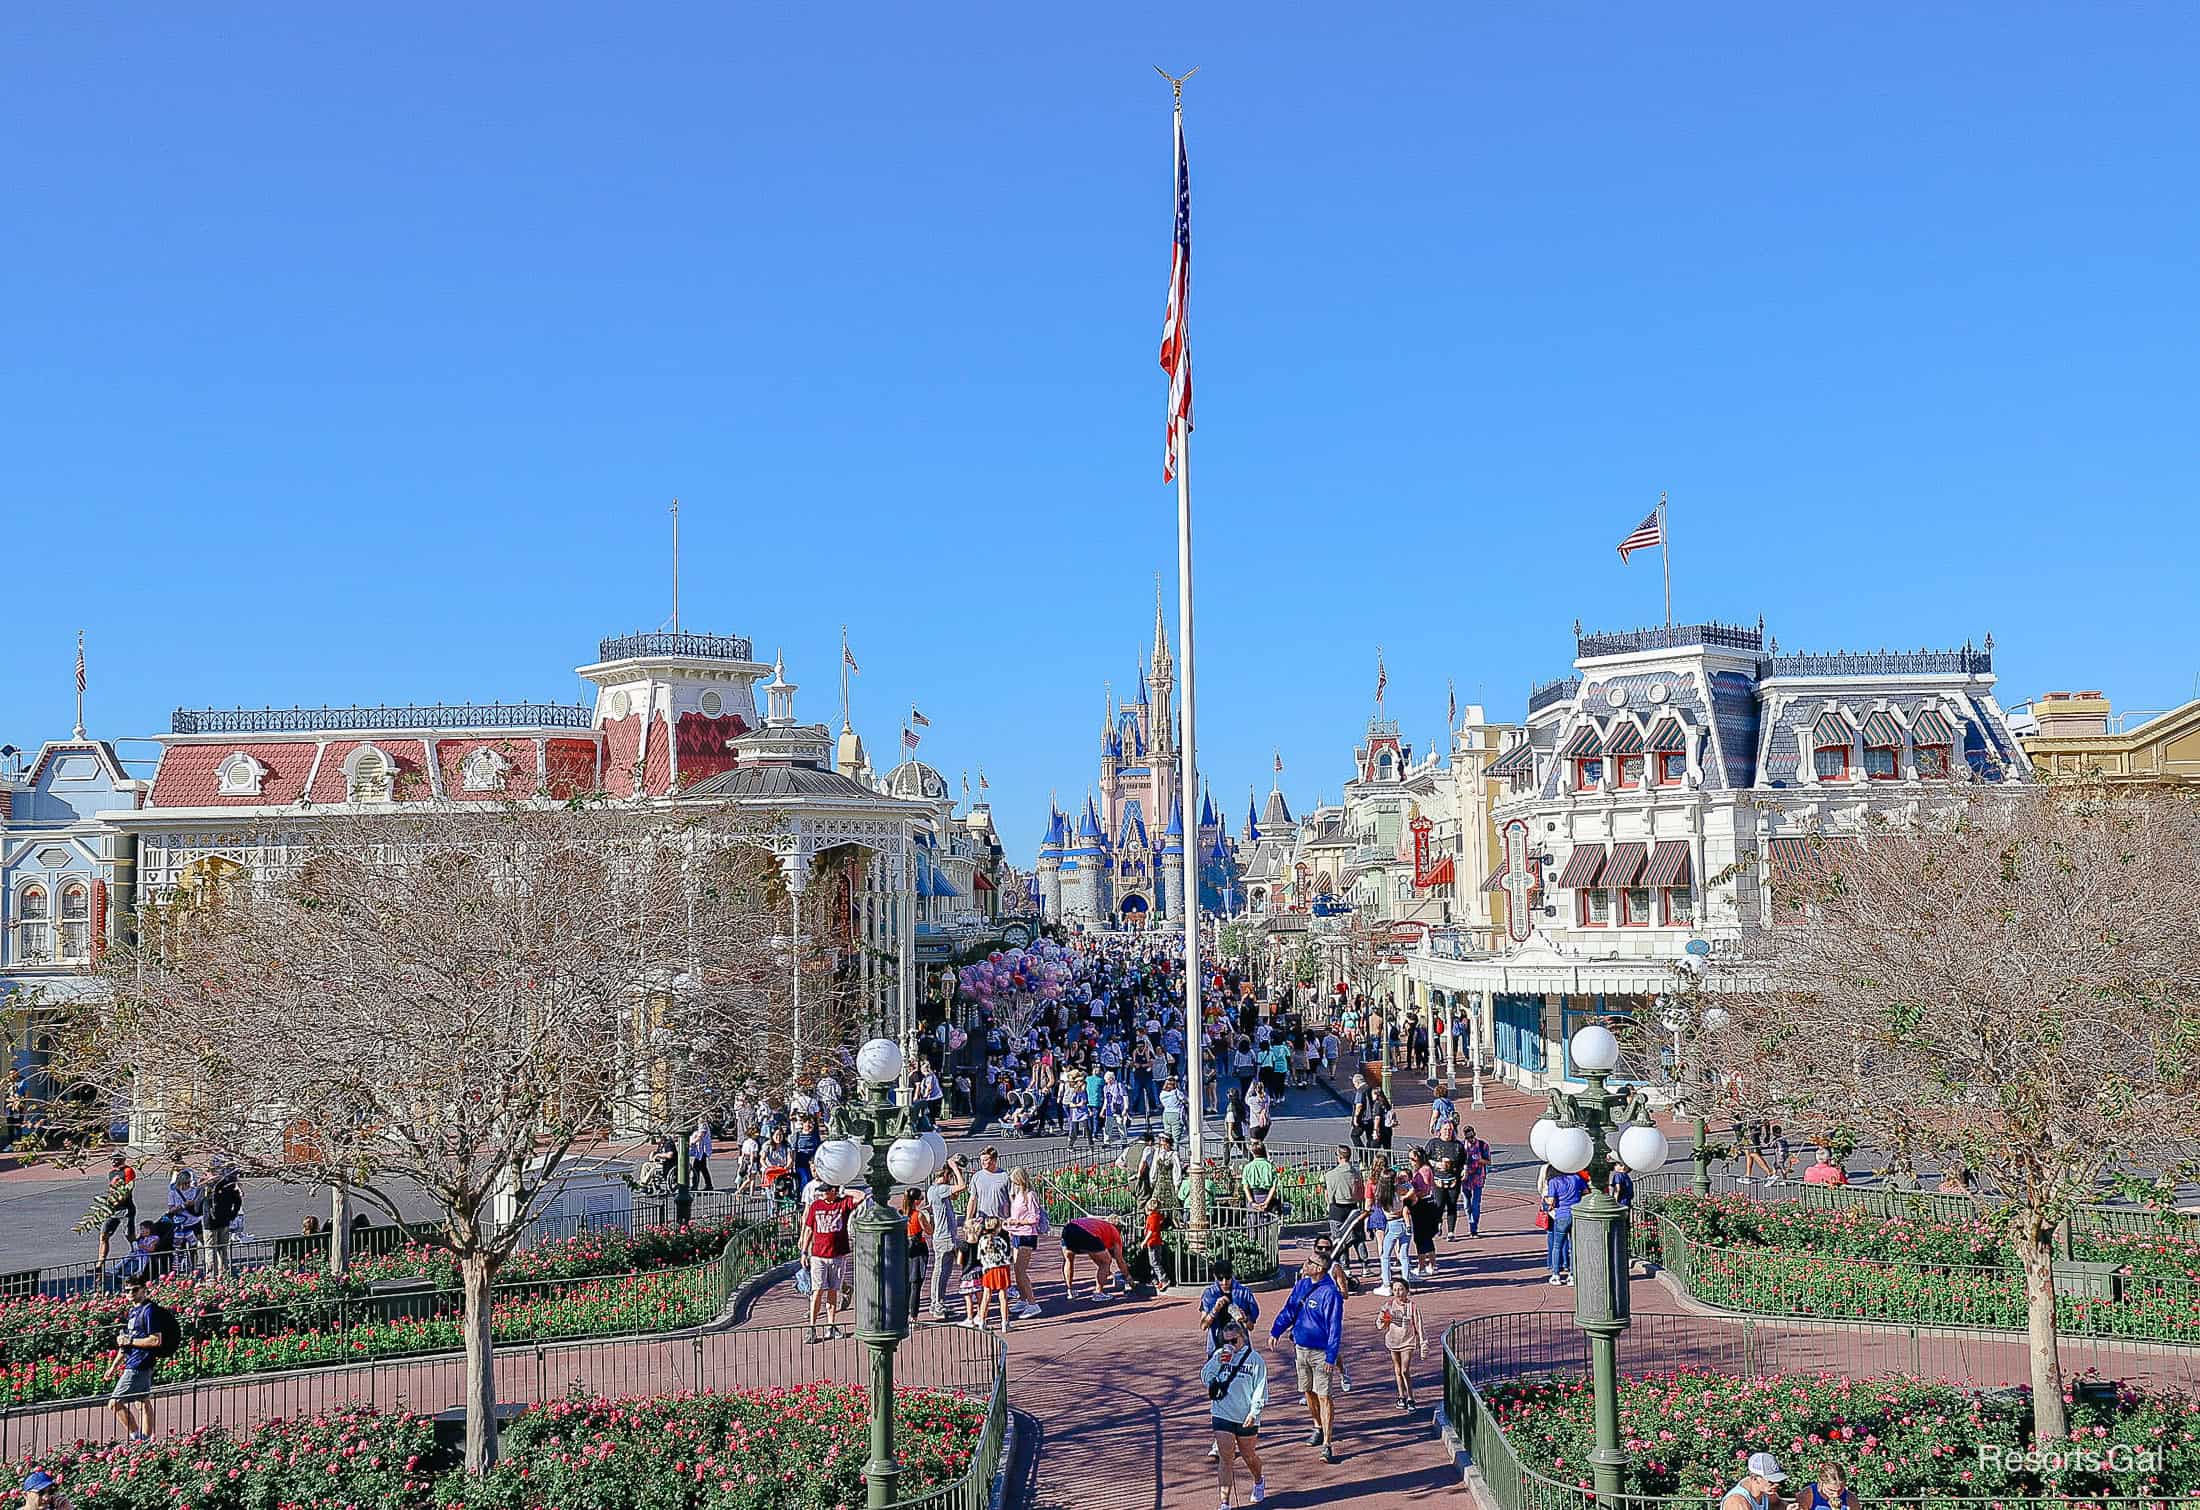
<point>777,1179</point>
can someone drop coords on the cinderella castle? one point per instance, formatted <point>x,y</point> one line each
<point>1120,862</point>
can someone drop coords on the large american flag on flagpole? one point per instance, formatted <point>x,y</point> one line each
<point>1644,535</point>
<point>1176,341</point>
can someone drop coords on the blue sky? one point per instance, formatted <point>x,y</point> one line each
<point>354,357</point>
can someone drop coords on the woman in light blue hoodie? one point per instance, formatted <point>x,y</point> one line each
<point>1237,1392</point>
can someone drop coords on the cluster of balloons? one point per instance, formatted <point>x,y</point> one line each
<point>1043,970</point>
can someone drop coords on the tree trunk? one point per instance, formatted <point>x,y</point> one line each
<point>339,1227</point>
<point>2035,1249</point>
<point>481,1384</point>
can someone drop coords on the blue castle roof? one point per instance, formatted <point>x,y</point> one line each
<point>1207,817</point>
<point>1133,834</point>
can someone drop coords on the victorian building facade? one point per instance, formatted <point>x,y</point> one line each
<point>1655,804</point>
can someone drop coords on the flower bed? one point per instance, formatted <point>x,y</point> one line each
<point>775,1449</point>
<point>1106,1190</point>
<point>594,1284</point>
<point>1784,1258</point>
<point>1690,1433</point>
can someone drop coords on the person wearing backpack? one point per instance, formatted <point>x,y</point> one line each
<point>149,1334</point>
<point>223,1201</point>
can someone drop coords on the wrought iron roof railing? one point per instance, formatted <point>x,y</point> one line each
<point>709,647</point>
<point>1543,694</point>
<point>412,716</point>
<point>1964,662</point>
<point>1670,637</point>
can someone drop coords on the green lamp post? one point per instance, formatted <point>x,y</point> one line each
<point>1592,1132</point>
<point>887,1144</point>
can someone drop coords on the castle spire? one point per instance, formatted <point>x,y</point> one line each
<point>1163,665</point>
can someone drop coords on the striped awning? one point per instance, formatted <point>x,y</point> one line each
<point>1669,738</point>
<point>1932,728</point>
<point>1668,865</point>
<point>1442,873</point>
<point>1517,761</point>
<point>1833,729</point>
<point>1790,857</point>
<point>1584,742</point>
<point>1881,731</point>
<point>1625,866</point>
<point>1626,738</point>
<point>1583,866</point>
<point>1496,882</point>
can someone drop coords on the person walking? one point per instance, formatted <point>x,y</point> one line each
<point>700,1147</point>
<point>1477,1174</point>
<point>1447,1157</point>
<point>1341,1192</point>
<point>149,1333</point>
<point>1261,1184</point>
<point>1314,1316</point>
<point>1560,1195</point>
<point>116,1209</point>
<point>824,1235</point>
<point>1115,1107</point>
<point>1400,1323</point>
<point>1236,1377</point>
<point>1386,1214</point>
<point>994,1274</point>
<point>1026,1224</point>
<point>1422,1213</point>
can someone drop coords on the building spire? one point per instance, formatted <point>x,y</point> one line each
<point>1162,663</point>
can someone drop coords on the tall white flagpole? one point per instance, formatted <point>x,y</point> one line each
<point>1665,550</point>
<point>1188,779</point>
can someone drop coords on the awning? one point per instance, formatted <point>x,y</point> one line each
<point>1790,857</point>
<point>1668,865</point>
<point>1517,761</point>
<point>1626,738</point>
<point>1496,882</point>
<point>1442,873</point>
<point>1583,866</point>
<point>985,882</point>
<point>1670,738</point>
<point>1881,731</point>
<point>1932,728</point>
<point>1584,742</point>
<point>1833,729</point>
<point>1626,864</point>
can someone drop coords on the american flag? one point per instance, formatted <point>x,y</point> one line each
<point>1451,703</point>
<point>1176,341</point>
<point>919,719</point>
<point>983,784</point>
<point>1382,676</point>
<point>910,738</point>
<point>849,656</point>
<point>80,661</point>
<point>1644,535</point>
<point>1279,762</point>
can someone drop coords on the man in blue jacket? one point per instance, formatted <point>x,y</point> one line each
<point>1314,1315</point>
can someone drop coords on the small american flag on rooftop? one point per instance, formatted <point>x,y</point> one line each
<point>1644,535</point>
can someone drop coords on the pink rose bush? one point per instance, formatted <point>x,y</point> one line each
<point>770,1449</point>
<point>1691,1433</point>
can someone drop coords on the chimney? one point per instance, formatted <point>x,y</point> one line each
<point>2062,714</point>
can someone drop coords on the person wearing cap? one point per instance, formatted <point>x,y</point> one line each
<point>138,1348</point>
<point>120,1201</point>
<point>1236,1377</point>
<point>1760,1485</point>
<point>41,1491</point>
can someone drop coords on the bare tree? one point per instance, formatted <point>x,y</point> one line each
<point>2011,982</point>
<point>446,1000</point>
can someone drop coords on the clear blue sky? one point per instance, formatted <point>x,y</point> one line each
<point>354,357</point>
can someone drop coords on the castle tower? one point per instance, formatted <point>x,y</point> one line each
<point>1050,861</point>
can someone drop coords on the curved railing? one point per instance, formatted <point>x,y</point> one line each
<point>1487,1351</point>
<point>1911,1205</point>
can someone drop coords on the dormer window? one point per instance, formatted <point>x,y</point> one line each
<point>1882,747</point>
<point>1934,741</point>
<point>484,771</point>
<point>1625,750</point>
<point>1833,738</point>
<point>1586,751</point>
<point>367,775</point>
<point>239,775</point>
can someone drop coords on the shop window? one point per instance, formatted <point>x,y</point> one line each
<point>1680,907</point>
<point>1596,909</point>
<point>1635,907</point>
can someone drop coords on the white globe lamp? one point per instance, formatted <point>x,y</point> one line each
<point>1568,1149</point>
<point>938,1145</point>
<point>1595,1050</point>
<point>838,1162</point>
<point>1539,1136</point>
<point>1642,1149</point>
<point>910,1161</point>
<point>879,1061</point>
<point>1716,1018</point>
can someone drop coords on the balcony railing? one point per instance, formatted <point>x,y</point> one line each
<point>1543,694</point>
<point>1964,662</point>
<point>412,716</point>
<point>1670,637</point>
<point>708,647</point>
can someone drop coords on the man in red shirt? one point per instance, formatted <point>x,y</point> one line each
<point>1825,1171</point>
<point>825,1249</point>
